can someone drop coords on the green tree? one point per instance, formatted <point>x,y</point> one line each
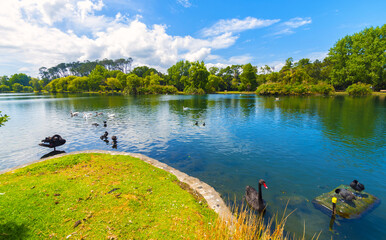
<point>178,74</point>
<point>133,84</point>
<point>198,75</point>
<point>17,87</point>
<point>3,119</point>
<point>20,78</point>
<point>248,77</point>
<point>113,84</point>
<point>36,84</point>
<point>97,78</point>
<point>360,57</point>
<point>4,88</point>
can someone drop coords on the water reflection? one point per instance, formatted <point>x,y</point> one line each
<point>302,146</point>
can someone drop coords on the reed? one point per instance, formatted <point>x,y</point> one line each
<point>246,224</point>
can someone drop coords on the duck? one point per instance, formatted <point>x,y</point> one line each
<point>104,136</point>
<point>277,99</point>
<point>87,115</point>
<point>185,108</point>
<point>111,115</point>
<point>73,114</point>
<point>254,198</point>
<point>95,124</point>
<point>104,124</point>
<point>203,124</point>
<point>196,123</point>
<point>347,195</point>
<point>357,186</point>
<point>114,138</point>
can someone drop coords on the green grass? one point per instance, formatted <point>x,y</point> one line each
<point>69,196</point>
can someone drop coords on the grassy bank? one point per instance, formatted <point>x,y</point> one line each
<point>97,196</point>
<point>102,196</point>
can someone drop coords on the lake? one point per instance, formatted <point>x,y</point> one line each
<point>301,146</point>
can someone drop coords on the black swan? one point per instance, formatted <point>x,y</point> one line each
<point>347,195</point>
<point>254,198</point>
<point>357,186</point>
<point>53,142</point>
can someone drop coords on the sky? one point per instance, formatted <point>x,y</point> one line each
<point>159,33</point>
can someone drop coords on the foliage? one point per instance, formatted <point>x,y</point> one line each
<point>100,196</point>
<point>360,57</point>
<point>20,78</point>
<point>248,78</point>
<point>3,118</point>
<point>294,89</point>
<point>17,87</point>
<point>359,89</point>
<point>158,89</point>
<point>82,69</point>
<point>4,88</point>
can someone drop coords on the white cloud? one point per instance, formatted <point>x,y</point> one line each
<point>289,26</point>
<point>185,3</point>
<point>30,34</point>
<point>236,25</point>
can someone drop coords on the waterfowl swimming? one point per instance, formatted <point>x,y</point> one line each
<point>347,195</point>
<point>114,138</point>
<point>87,115</point>
<point>104,136</point>
<point>203,124</point>
<point>185,108</point>
<point>254,198</point>
<point>111,115</point>
<point>73,114</point>
<point>357,186</point>
<point>104,124</point>
<point>95,124</point>
<point>196,123</point>
<point>277,99</point>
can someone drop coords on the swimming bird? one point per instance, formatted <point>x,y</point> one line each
<point>254,198</point>
<point>185,108</point>
<point>95,124</point>
<point>104,124</point>
<point>203,124</point>
<point>277,99</point>
<point>73,114</point>
<point>114,138</point>
<point>196,123</point>
<point>347,195</point>
<point>104,136</point>
<point>111,115</point>
<point>87,115</point>
<point>357,186</point>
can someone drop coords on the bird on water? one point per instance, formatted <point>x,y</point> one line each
<point>357,186</point>
<point>254,198</point>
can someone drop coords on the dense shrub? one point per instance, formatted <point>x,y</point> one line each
<point>28,89</point>
<point>157,89</point>
<point>359,89</point>
<point>294,89</point>
<point>4,88</point>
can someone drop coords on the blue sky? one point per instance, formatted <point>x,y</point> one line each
<point>158,33</point>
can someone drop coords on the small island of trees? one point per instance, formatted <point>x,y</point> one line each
<point>356,63</point>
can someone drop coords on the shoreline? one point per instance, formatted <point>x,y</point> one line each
<point>212,197</point>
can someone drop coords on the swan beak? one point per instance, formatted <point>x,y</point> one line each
<point>265,186</point>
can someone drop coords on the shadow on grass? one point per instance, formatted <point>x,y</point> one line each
<point>53,153</point>
<point>13,231</point>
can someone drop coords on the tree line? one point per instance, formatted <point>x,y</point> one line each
<point>354,59</point>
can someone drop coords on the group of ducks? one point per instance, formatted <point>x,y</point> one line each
<point>255,198</point>
<point>89,115</point>
<point>104,137</point>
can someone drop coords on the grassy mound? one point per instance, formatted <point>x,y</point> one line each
<point>98,196</point>
<point>353,209</point>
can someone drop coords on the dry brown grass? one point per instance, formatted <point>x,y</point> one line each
<point>247,224</point>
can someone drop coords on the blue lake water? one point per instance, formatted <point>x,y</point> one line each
<point>301,146</point>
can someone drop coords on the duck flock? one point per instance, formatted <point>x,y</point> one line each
<point>104,137</point>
